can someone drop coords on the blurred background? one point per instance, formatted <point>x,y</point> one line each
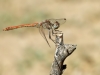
<point>23,51</point>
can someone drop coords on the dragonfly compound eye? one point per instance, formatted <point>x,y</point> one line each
<point>56,25</point>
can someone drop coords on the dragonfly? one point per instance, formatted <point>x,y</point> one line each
<point>50,24</point>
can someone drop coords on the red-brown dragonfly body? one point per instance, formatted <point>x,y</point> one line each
<point>49,24</point>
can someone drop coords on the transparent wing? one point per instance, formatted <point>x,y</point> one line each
<point>19,26</point>
<point>60,21</point>
<point>41,30</point>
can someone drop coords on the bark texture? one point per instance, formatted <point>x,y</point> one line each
<point>62,52</point>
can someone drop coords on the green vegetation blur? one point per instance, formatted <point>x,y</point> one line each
<point>24,51</point>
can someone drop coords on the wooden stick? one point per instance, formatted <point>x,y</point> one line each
<point>62,52</point>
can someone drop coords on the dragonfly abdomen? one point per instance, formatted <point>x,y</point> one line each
<point>20,26</point>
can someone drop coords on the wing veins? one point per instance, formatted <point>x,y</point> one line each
<point>43,34</point>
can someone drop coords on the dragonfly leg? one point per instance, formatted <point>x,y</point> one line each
<point>56,32</point>
<point>50,37</point>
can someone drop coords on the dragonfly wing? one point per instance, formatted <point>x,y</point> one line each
<point>60,21</point>
<point>41,30</point>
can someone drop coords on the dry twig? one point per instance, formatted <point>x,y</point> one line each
<point>62,52</point>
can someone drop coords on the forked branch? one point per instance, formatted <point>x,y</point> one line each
<point>62,52</point>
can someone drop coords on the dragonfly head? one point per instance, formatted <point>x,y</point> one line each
<point>56,25</point>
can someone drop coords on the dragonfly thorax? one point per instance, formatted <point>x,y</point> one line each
<point>46,24</point>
